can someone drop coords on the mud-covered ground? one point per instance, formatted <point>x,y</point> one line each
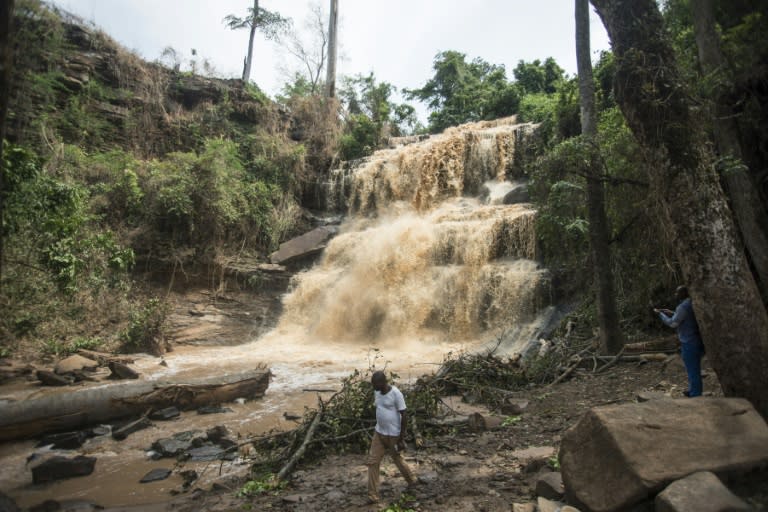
<point>460,470</point>
<point>463,470</point>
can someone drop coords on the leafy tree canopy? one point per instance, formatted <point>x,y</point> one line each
<point>269,23</point>
<point>372,115</point>
<point>535,77</point>
<point>462,91</point>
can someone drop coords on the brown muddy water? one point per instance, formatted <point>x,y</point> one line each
<point>121,464</point>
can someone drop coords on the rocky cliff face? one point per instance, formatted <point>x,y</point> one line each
<point>74,84</point>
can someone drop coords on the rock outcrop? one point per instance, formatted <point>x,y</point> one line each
<point>304,246</point>
<point>617,456</point>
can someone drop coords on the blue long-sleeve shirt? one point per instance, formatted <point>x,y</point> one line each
<point>684,321</point>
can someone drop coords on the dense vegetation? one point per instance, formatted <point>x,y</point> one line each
<point>117,166</point>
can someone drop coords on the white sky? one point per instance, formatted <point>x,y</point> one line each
<point>396,39</point>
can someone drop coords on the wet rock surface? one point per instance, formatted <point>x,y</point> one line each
<point>156,475</point>
<point>197,446</point>
<point>48,378</point>
<point>57,468</point>
<point>169,413</point>
<point>303,247</point>
<point>121,371</point>
<point>65,440</point>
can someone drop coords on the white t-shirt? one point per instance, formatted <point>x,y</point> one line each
<point>388,407</point>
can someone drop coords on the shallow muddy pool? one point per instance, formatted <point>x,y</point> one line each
<point>297,364</point>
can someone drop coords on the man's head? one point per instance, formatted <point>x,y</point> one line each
<point>681,293</point>
<point>379,381</point>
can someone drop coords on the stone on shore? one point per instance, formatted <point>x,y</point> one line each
<point>699,492</point>
<point>52,379</point>
<point>121,371</point>
<point>619,455</point>
<point>75,363</point>
<point>65,440</point>
<point>550,486</point>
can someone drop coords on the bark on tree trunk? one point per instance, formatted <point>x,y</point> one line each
<point>731,315</point>
<point>64,410</point>
<point>330,87</point>
<point>745,199</point>
<point>611,339</point>
<point>6,62</point>
<point>249,58</point>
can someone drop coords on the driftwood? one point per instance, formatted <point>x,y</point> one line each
<point>611,362</point>
<point>72,409</point>
<point>299,453</point>
<point>637,358</point>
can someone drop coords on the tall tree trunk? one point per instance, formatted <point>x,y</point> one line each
<point>731,315</point>
<point>611,339</point>
<point>330,81</point>
<point>249,58</point>
<point>6,63</point>
<point>745,199</point>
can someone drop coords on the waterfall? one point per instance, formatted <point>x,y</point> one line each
<point>428,250</point>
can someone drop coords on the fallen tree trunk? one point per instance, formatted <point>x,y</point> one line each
<point>58,410</point>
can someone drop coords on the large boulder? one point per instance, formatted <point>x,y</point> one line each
<point>619,455</point>
<point>304,246</point>
<point>699,492</point>
<point>519,194</point>
<point>75,363</point>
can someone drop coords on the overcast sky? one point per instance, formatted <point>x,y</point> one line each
<point>396,39</point>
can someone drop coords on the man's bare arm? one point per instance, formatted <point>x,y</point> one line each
<point>403,426</point>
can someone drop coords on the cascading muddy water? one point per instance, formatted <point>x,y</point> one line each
<point>427,252</point>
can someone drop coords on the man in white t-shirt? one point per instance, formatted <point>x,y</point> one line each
<point>389,437</point>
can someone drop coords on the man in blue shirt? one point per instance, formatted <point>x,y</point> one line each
<point>691,346</point>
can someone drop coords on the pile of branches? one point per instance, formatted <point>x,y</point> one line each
<point>344,422</point>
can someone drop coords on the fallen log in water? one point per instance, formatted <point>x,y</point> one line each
<point>71,409</point>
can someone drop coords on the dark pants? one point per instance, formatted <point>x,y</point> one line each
<point>692,352</point>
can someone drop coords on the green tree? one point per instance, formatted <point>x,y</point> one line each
<point>535,77</point>
<point>745,200</point>
<point>462,91</point>
<point>6,61</point>
<point>611,339</point>
<point>372,115</point>
<point>657,106</point>
<point>269,23</point>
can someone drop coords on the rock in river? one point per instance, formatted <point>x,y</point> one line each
<point>58,468</point>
